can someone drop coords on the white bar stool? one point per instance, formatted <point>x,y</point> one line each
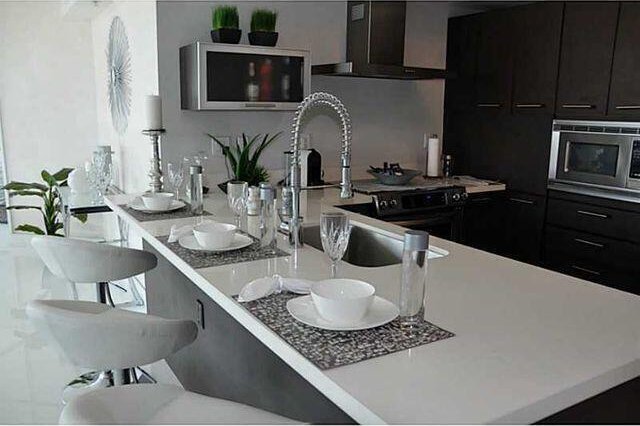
<point>160,404</point>
<point>95,335</point>
<point>87,262</point>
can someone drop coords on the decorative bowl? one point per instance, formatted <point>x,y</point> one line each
<point>403,179</point>
<point>342,301</point>
<point>214,235</point>
<point>157,200</point>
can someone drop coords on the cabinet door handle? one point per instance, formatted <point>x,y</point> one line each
<point>489,105</point>
<point>578,106</point>
<point>529,105</point>
<point>259,105</point>
<point>480,200</point>
<point>593,214</point>
<point>522,201</point>
<point>589,271</point>
<point>589,243</point>
<point>627,107</point>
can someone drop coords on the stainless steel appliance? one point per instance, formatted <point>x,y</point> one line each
<point>438,211</point>
<point>215,76</point>
<point>598,158</point>
<point>375,44</point>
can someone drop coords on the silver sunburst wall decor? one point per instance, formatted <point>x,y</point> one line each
<point>119,75</point>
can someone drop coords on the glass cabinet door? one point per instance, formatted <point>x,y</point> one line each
<point>245,77</point>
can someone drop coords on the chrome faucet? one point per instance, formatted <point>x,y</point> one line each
<point>346,191</point>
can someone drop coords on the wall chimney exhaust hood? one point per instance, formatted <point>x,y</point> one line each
<point>375,44</point>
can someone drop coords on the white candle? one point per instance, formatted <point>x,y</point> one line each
<point>153,107</point>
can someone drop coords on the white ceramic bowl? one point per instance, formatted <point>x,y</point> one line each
<point>157,200</point>
<point>342,301</point>
<point>214,235</point>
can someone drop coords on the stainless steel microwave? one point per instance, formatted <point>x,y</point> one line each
<point>596,154</point>
<point>215,76</point>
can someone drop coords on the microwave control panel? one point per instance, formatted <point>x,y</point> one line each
<point>634,167</point>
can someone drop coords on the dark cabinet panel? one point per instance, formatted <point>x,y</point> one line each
<point>526,158</point>
<point>483,220</point>
<point>537,29</point>
<point>494,64</point>
<point>595,219</point>
<point>594,258</point>
<point>588,36</point>
<point>523,224</point>
<point>624,93</point>
<point>462,39</point>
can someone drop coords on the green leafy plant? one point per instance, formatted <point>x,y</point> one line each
<point>225,17</point>
<point>51,201</point>
<point>263,20</point>
<point>242,158</point>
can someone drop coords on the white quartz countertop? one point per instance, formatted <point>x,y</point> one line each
<point>529,342</point>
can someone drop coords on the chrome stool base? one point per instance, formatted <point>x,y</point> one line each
<point>105,379</point>
<point>85,383</point>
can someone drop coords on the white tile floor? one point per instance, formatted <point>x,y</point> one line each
<point>32,373</point>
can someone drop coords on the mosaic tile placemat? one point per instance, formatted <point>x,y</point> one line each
<point>329,349</point>
<point>175,214</point>
<point>204,259</point>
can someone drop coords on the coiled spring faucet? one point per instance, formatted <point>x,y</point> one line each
<point>346,191</point>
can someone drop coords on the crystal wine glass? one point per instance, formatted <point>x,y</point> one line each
<point>176,176</point>
<point>334,233</point>
<point>237,192</point>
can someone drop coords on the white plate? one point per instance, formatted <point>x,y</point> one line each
<point>381,312</point>
<point>138,205</point>
<point>239,241</point>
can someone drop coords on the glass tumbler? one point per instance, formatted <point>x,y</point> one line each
<point>414,278</point>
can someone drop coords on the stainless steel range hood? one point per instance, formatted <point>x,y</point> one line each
<point>375,44</point>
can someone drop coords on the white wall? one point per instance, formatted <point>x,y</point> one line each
<point>132,149</point>
<point>389,116</point>
<point>47,91</point>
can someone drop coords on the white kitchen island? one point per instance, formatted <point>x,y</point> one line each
<point>528,342</point>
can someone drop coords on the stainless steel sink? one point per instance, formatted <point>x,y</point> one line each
<point>366,247</point>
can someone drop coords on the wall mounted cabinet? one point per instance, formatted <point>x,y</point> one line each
<point>588,38</point>
<point>536,34</point>
<point>216,76</point>
<point>624,92</point>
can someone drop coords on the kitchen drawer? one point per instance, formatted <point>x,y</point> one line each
<point>594,258</point>
<point>615,254</point>
<point>599,220</point>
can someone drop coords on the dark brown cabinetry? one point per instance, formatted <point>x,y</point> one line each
<point>462,45</point>
<point>536,37</point>
<point>593,239</point>
<point>494,64</point>
<point>483,221</point>
<point>624,92</point>
<point>527,64</point>
<point>523,223</point>
<point>588,37</point>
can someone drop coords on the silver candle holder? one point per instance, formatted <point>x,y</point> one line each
<point>155,173</point>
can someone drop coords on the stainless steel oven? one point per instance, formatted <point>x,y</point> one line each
<point>438,211</point>
<point>596,156</point>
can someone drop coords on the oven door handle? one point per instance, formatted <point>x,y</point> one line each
<point>410,222</point>
<point>567,148</point>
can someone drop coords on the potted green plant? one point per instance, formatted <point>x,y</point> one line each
<point>225,24</point>
<point>263,28</point>
<point>242,158</point>
<point>51,208</point>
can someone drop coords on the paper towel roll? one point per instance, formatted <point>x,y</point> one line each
<point>434,153</point>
